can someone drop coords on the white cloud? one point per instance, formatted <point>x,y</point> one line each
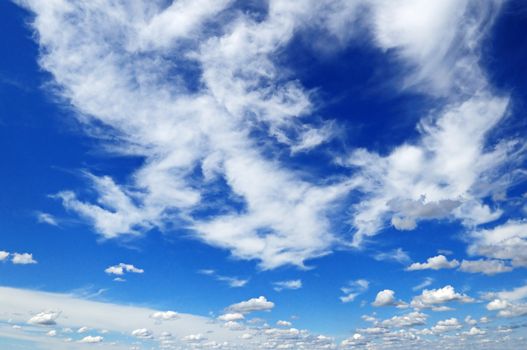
<point>290,284</point>
<point>385,298</point>
<point>487,267</point>
<point>283,323</point>
<point>52,333</point>
<point>426,282</point>
<point>46,318</point>
<point>254,304</point>
<point>475,331</point>
<point>142,333</point>
<point>408,320</point>
<point>397,255</point>
<point>448,325</point>
<point>233,282</point>
<point>23,259</point>
<point>507,241</point>
<point>434,298</point>
<point>434,263</point>
<point>121,268</point>
<point>46,218</point>
<point>91,339</point>
<point>120,91</point>
<point>231,317</point>
<point>354,289</point>
<point>165,315</point>
<point>83,329</point>
<point>3,255</point>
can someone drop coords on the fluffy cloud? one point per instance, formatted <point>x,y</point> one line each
<point>448,325</point>
<point>408,320</point>
<point>121,268</point>
<point>487,267</point>
<point>434,263</point>
<point>165,315</point>
<point>386,298</point>
<point>434,298</point>
<point>251,305</point>
<point>46,318</point>
<point>23,259</point>
<point>291,284</point>
<point>142,333</point>
<point>3,255</point>
<point>231,317</point>
<point>91,339</point>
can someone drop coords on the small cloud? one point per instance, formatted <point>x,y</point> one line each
<point>434,263</point>
<point>91,339</point>
<point>291,284</point>
<point>426,282</point>
<point>354,289</point>
<point>255,304</point>
<point>46,318</point>
<point>486,266</point>
<point>165,315</point>
<point>142,333</point>
<point>4,255</point>
<point>45,218</point>
<point>386,298</point>
<point>23,259</point>
<point>282,323</point>
<point>233,282</point>
<point>397,255</point>
<point>122,268</point>
<point>230,317</point>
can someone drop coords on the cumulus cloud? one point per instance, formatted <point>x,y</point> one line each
<point>142,333</point>
<point>4,255</point>
<point>165,315</point>
<point>231,317</point>
<point>254,304</point>
<point>434,263</point>
<point>408,320</point>
<point>434,298</point>
<point>121,268</point>
<point>90,339</point>
<point>448,325</point>
<point>385,298</point>
<point>46,318</point>
<point>487,267</point>
<point>23,259</point>
<point>290,284</point>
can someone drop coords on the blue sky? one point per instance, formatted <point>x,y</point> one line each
<point>263,174</point>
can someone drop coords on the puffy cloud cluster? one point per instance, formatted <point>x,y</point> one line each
<point>434,298</point>
<point>254,304</point>
<point>434,263</point>
<point>17,258</point>
<point>122,268</point>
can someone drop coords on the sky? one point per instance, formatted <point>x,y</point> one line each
<point>263,174</point>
